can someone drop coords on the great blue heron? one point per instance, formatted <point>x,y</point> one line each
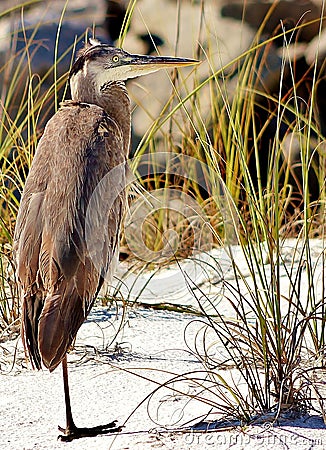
<point>81,144</point>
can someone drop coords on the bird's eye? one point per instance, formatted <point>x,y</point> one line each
<point>115,58</point>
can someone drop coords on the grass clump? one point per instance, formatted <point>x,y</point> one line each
<point>263,356</point>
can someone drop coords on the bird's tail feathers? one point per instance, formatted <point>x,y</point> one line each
<point>31,308</point>
<point>59,322</point>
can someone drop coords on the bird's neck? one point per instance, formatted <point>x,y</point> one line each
<point>113,98</point>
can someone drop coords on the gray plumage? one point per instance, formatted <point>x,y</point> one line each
<point>87,138</point>
<point>58,279</point>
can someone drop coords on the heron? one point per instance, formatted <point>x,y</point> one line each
<point>87,137</point>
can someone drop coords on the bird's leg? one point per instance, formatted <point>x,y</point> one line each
<point>72,432</point>
<point>70,426</point>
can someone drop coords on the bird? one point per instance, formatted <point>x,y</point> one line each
<point>57,275</point>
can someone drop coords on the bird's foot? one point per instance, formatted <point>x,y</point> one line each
<point>71,433</point>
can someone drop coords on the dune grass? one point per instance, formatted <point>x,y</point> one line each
<point>273,339</point>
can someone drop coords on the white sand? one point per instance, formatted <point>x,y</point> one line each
<point>107,385</point>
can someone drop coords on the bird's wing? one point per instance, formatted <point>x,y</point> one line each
<point>59,271</point>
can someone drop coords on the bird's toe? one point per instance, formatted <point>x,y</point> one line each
<point>71,433</point>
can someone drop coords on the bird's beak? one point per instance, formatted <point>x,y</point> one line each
<point>131,66</point>
<point>159,62</point>
<point>138,65</point>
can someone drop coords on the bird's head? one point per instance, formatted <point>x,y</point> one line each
<point>102,63</point>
